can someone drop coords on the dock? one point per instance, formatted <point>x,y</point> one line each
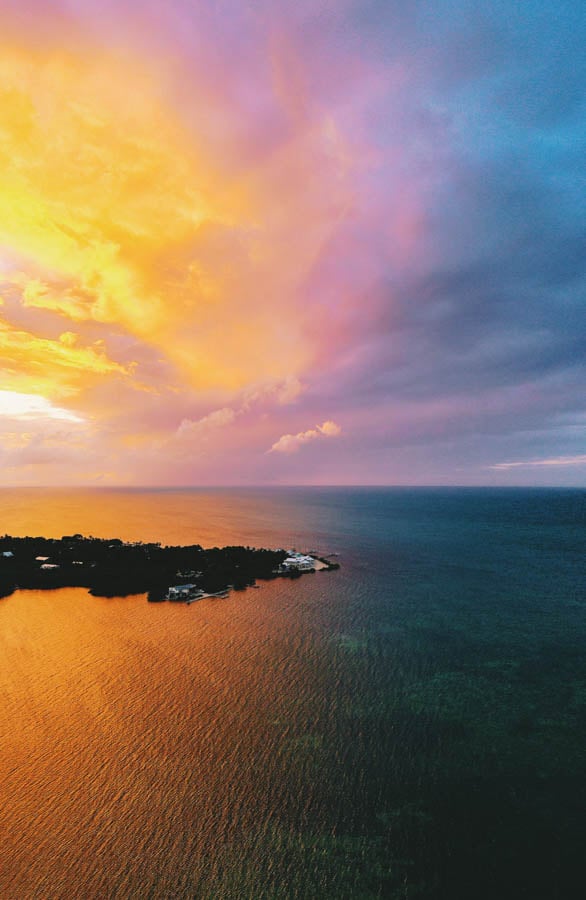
<point>205,596</point>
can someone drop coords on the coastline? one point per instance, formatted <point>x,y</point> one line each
<point>109,567</point>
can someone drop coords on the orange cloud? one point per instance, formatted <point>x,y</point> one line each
<point>116,215</point>
<point>50,367</point>
<point>134,256</point>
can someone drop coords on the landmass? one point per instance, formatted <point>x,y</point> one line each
<point>114,568</point>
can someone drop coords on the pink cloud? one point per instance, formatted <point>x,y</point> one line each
<point>579,460</point>
<point>290,443</point>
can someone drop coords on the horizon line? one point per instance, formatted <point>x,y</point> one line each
<point>199,487</point>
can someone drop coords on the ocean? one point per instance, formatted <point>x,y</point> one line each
<point>412,725</point>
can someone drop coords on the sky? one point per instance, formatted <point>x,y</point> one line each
<point>249,242</point>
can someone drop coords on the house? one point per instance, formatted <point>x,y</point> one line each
<point>298,562</point>
<point>181,591</point>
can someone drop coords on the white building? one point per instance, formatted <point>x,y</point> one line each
<point>299,562</point>
<point>181,591</point>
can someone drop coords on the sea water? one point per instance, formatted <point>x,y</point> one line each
<point>411,725</point>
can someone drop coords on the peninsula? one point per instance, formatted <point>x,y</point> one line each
<point>113,568</point>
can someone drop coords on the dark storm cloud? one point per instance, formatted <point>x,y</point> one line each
<point>487,325</point>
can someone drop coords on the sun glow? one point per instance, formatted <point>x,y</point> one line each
<point>119,217</point>
<point>154,248</point>
<point>32,406</point>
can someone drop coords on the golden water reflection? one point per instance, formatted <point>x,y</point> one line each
<point>138,736</point>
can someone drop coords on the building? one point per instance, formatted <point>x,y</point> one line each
<point>298,562</point>
<point>181,591</point>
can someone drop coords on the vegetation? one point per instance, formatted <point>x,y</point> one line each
<point>111,568</point>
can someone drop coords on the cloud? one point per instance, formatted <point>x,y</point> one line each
<point>384,220</point>
<point>275,391</point>
<point>329,429</point>
<point>190,430</point>
<point>131,219</point>
<point>14,405</point>
<point>290,443</point>
<point>54,366</point>
<point>282,391</point>
<point>579,460</point>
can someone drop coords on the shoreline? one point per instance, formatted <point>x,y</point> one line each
<point>109,567</point>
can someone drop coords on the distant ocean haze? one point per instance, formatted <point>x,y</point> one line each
<point>411,724</point>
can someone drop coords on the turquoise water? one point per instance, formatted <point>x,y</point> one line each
<point>412,725</point>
